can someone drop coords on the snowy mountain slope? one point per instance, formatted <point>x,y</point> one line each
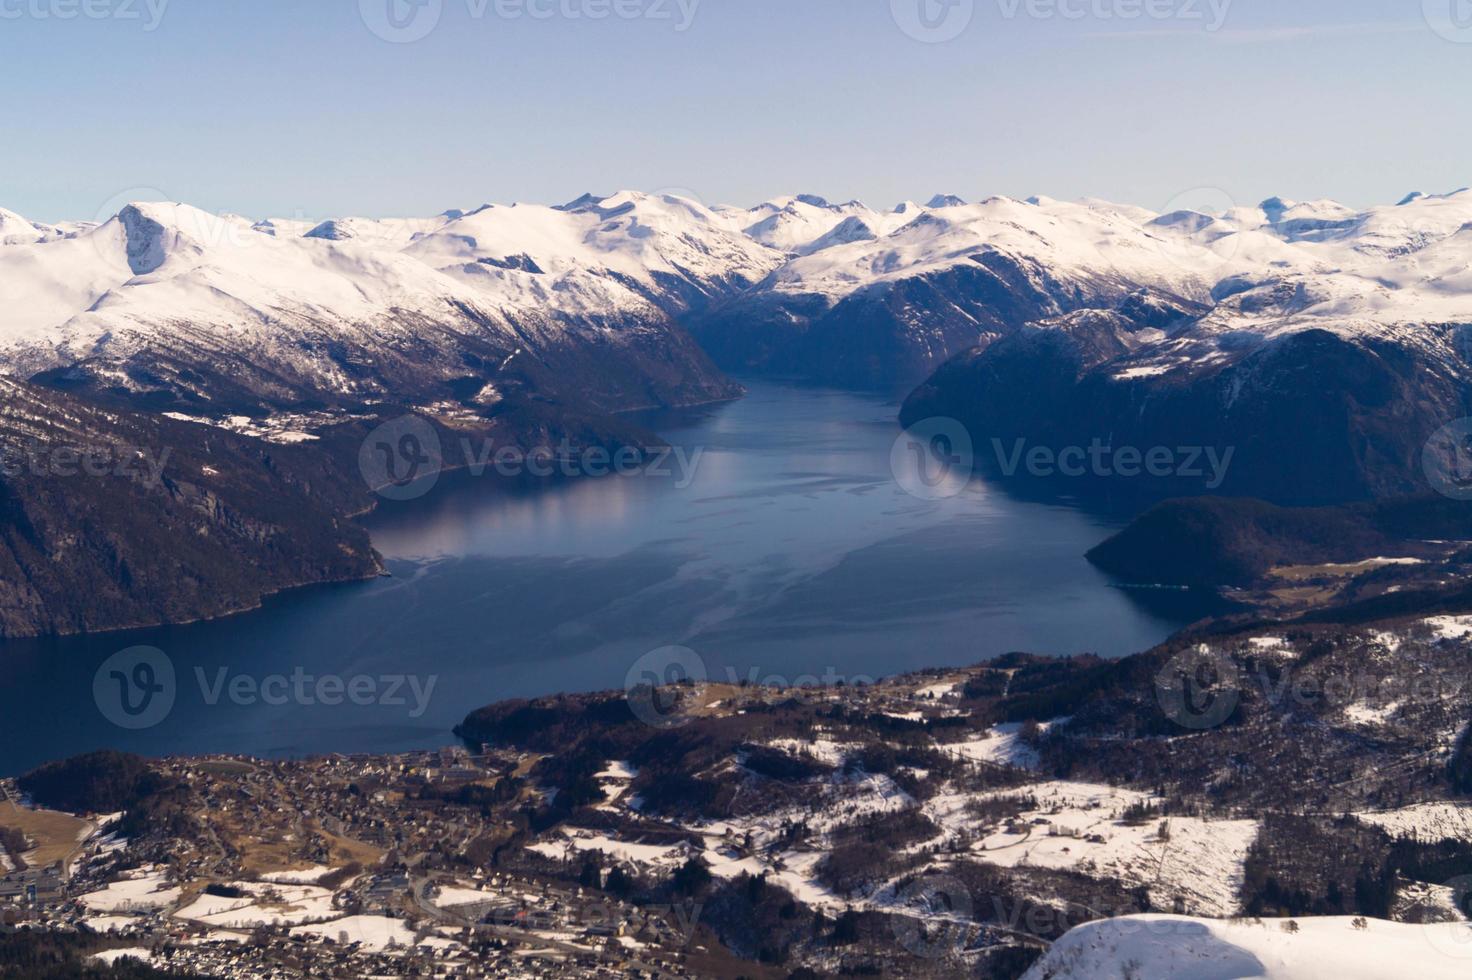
<point>16,230</point>
<point>168,300</point>
<point>1154,947</point>
<point>166,522</point>
<point>598,257</point>
<point>1346,271</point>
<point>807,223</point>
<point>389,233</point>
<point>285,227</point>
<point>1329,346</point>
<point>891,306</point>
<point>1181,326</point>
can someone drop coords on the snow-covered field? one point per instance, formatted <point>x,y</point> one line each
<point>651,855</point>
<point>1078,827</point>
<point>375,933</point>
<point>303,876</point>
<point>146,890</point>
<point>1425,822</point>
<point>453,896</point>
<point>1450,627</point>
<point>111,956</point>
<point>263,904</point>
<point>1001,746</point>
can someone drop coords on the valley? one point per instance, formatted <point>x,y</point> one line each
<point>879,695</point>
<point>1039,324</point>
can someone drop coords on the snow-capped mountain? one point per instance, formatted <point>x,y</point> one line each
<point>167,301</point>
<point>1242,328</point>
<point>598,257</point>
<point>16,230</point>
<point>887,300</point>
<point>1323,346</point>
<point>888,304</point>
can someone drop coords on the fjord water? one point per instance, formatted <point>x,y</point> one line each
<point>787,553</point>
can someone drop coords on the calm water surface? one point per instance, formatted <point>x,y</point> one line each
<point>793,552</point>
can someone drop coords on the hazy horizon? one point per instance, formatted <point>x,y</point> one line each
<point>1202,199</point>
<point>275,109</point>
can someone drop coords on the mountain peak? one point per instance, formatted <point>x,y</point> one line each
<point>1275,208</point>
<point>332,230</point>
<point>146,237</point>
<point>946,201</point>
<point>581,203</point>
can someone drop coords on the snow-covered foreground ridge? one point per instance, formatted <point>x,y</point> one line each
<point>1154,947</point>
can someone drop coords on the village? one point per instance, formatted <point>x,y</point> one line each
<point>944,823</point>
<point>244,898</point>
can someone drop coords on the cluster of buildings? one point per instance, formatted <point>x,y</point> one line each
<point>392,890</point>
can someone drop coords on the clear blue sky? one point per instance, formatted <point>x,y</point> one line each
<point>285,107</point>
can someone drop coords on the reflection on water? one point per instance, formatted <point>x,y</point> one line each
<point>787,549</point>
